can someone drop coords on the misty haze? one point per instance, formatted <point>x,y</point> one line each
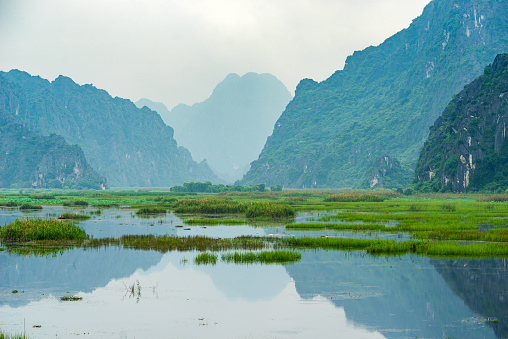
<point>239,169</point>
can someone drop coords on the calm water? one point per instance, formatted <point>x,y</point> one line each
<point>328,294</point>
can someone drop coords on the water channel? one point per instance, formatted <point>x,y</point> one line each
<point>327,294</point>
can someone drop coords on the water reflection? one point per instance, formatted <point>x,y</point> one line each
<point>482,284</point>
<point>36,277</point>
<point>401,297</point>
<point>178,299</point>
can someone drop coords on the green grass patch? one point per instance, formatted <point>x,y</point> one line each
<point>12,336</point>
<point>268,209</point>
<point>339,227</point>
<point>29,207</point>
<point>355,197</point>
<point>171,243</point>
<point>379,246</point>
<point>73,216</point>
<point>210,206</point>
<point>37,229</point>
<point>151,210</point>
<point>75,203</point>
<point>263,257</point>
<point>215,222</point>
<point>42,196</point>
<point>9,204</point>
<point>206,258</point>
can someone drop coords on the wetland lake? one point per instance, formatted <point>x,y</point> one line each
<point>128,293</point>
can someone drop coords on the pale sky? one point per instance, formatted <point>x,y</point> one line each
<point>177,51</point>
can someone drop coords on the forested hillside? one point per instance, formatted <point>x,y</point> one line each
<point>127,145</point>
<point>384,99</point>
<point>467,148</point>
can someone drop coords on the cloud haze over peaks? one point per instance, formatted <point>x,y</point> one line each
<point>176,51</point>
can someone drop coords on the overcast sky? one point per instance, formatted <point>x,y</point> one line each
<point>177,51</point>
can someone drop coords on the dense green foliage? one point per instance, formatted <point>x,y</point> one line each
<point>208,187</point>
<point>384,99</point>
<point>127,145</point>
<point>38,229</point>
<point>37,161</point>
<point>467,147</point>
<point>229,128</point>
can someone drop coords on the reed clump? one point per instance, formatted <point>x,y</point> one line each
<point>206,258</point>
<point>171,243</point>
<point>27,207</point>
<point>9,204</point>
<point>210,206</point>
<point>263,257</point>
<point>339,227</point>
<point>151,210</point>
<point>380,246</point>
<point>78,203</point>
<point>355,197</point>
<point>38,229</point>
<point>214,222</point>
<point>73,216</point>
<point>494,197</point>
<point>12,336</point>
<point>268,209</point>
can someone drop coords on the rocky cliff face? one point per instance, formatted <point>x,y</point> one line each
<point>386,172</point>
<point>384,99</point>
<point>127,145</point>
<point>30,160</point>
<point>467,147</point>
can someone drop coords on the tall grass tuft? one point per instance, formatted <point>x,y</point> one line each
<point>151,210</point>
<point>9,204</point>
<point>38,229</point>
<point>264,257</point>
<point>26,206</point>
<point>210,206</point>
<point>73,216</point>
<point>355,197</point>
<point>268,209</point>
<point>206,258</point>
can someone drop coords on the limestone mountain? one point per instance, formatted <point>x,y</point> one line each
<point>230,128</point>
<point>467,148</point>
<point>384,99</point>
<point>127,145</point>
<point>30,160</point>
